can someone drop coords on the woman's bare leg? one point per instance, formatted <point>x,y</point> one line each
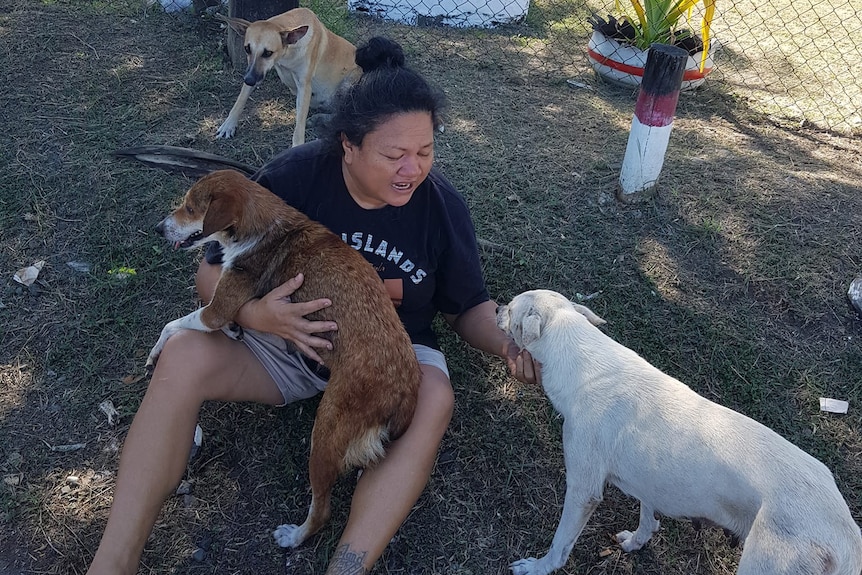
<point>386,493</point>
<point>156,448</point>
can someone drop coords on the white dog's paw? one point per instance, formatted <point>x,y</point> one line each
<point>529,566</point>
<point>170,329</point>
<point>627,541</point>
<point>289,535</point>
<point>154,356</point>
<point>226,130</point>
<point>167,332</point>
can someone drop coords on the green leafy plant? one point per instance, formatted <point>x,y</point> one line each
<point>659,21</point>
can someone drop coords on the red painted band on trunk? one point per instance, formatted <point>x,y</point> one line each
<point>656,111</point>
<point>688,75</point>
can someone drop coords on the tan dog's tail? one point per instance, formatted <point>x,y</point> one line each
<point>238,25</point>
<point>403,416</point>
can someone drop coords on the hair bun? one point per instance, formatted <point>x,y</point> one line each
<point>378,53</point>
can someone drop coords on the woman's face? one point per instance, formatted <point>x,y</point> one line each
<point>391,162</point>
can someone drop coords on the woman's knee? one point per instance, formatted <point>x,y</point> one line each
<point>436,397</point>
<point>211,366</point>
<point>188,363</point>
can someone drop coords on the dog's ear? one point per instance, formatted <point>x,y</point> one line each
<point>223,212</point>
<point>238,25</point>
<point>531,327</point>
<point>588,313</point>
<point>293,36</point>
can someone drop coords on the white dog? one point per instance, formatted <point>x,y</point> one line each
<point>629,424</point>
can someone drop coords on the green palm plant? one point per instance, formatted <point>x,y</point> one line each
<point>658,21</point>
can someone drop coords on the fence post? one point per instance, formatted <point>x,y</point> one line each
<point>652,121</point>
<point>251,10</point>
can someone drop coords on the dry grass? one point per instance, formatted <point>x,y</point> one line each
<point>784,57</point>
<point>733,278</point>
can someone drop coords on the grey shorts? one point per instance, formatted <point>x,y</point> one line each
<point>298,377</point>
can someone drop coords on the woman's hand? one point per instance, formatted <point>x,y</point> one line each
<point>522,366</point>
<point>275,313</point>
<point>478,327</point>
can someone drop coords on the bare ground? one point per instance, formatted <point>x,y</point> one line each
<point>732,278</point>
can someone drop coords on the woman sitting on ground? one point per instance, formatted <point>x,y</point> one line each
<point>371,180</point>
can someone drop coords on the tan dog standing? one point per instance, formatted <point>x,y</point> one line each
<point>374,381</point>
<point>631,425</point>
<point>311,61</point>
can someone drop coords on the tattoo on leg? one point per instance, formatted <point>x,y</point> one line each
<point>347,562</point>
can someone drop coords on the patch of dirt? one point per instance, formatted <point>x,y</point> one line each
<point>733,277</point>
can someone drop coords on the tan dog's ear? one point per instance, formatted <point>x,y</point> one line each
<point>293,36</point>
<point>238,25</point>
<point>588,313</point>
<point>531,328</point>
<point>223,212</point>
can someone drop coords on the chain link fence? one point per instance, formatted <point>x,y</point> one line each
<point>795,59</point>
<point>799,62</point>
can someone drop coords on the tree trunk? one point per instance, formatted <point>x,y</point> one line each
<point>251,10</point>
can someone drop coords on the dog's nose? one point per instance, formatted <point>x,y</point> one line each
<point>160,228</point>
<point>252,77</point>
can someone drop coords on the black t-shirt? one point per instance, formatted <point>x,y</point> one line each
<point>425,251</point>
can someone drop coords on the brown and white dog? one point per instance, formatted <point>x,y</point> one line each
<point>313,62</point>
<point>631,425</point>
<point>374,381</point>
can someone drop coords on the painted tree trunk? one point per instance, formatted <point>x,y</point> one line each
<point>653,119</point>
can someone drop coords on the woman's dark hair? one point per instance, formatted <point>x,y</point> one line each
<point>386,88</point>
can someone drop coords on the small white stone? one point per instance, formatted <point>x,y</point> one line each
<point>854,294</point>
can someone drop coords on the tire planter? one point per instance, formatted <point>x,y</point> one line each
<point>623,64</point>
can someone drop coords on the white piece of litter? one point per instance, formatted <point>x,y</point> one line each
<point>833,405</point>
<point>576,84</point>
<point>198,441</point>
<point>107,407</point>
<point>28,275</point>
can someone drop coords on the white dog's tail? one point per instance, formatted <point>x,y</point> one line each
<point>588,313</point>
